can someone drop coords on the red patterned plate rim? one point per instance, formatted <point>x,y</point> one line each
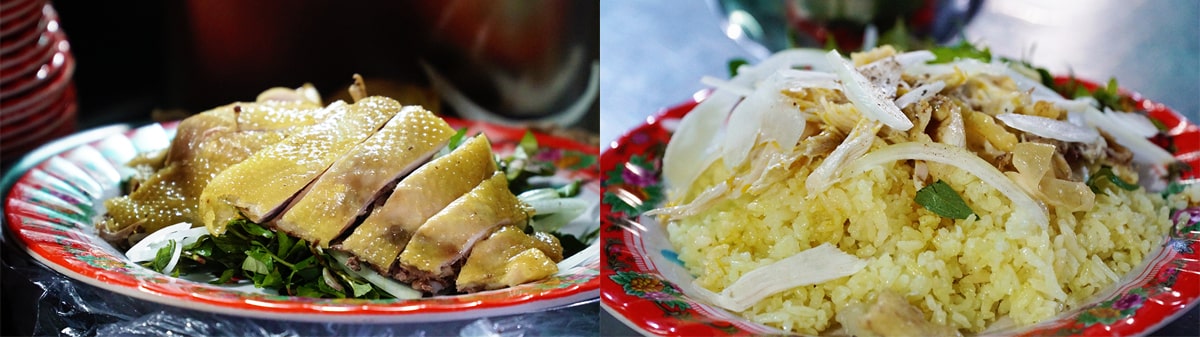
<point>669,311</point>
<point>49,212</point>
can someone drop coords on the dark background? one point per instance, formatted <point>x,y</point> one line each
<point>188,56</point>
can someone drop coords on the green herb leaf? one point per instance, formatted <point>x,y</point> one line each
<point>163,256</point>
<point>1105,173</point>
<point>226,277</point>
<point>734,64</point>
<point>457,139</point>
<point>357,288</point>
<point>528,143</point>
<point>570,190</point>
<point>271,280</point>
<point>1172,189</point>
<point>311,290</point>
<point>963,50</point>
<point>830,42</point>
<point>942,200</point>
<point>285,243</point>
<point>257,262</point>
<point>255,230</point>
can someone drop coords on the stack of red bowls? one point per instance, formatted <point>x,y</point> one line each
<point>37,95</point>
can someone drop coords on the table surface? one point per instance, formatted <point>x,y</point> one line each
<point>653,54</point>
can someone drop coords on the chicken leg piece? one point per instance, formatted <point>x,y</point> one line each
<point>325,209</point>
<point>385,233</point>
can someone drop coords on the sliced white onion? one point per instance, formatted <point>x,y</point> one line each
<point>920,93</point>
<point>857,143</point>
<point>147,249</point>
<point>694,142</point>
<point>1050,128</point>
<point>764,116</point>
<point>702,202</point>
<point>786,59</point>
<point>795,80</point>
<point>174,258</point>
<point>974,67</point>
<point>387,284</point>
<point>720,84</point>
<point>1144,151</point>
<point>560,210</point>
<point>816,265</point>
<point>1073,105</point>
<point>914,57</point>
<point>538,194</point>
<point>1023,205</point>
<point>1136,123</point>
<point>865,96</point>
<point>884,76</point>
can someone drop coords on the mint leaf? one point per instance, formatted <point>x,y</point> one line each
<point>942,200</point>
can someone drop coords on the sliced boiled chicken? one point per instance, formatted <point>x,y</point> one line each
<point>440,245</point>
<point>204,145</point>
<point>507,258</point>
<point>384,234</point>
<point>325,209</point>
<point>258,187</point>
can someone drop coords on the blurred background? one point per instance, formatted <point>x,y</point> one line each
<point>528,61</point>
<point>655,52</point>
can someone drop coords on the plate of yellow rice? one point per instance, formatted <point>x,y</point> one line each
<point>902,193</point>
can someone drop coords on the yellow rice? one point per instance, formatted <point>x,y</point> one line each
<point>964,274</point>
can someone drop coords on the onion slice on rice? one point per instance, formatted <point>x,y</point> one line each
<point>866,97</point>
<point>812,266</point>
<point>1050,128</point>
<point>1022,204</point>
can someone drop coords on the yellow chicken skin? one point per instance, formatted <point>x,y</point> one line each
<point>325,209</point>
<point>429,260</point>
<point>204,145</point>
<point>260,186</point>
<point>384,234</point>
<point>507,258</point>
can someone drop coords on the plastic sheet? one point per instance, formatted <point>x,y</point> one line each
<point>38,301</point>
